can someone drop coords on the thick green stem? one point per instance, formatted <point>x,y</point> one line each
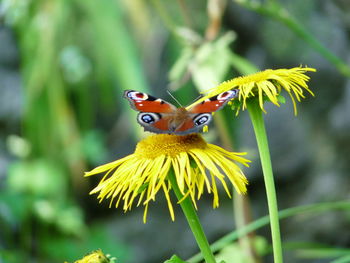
<point>261,138</point>
<point>193,221</point>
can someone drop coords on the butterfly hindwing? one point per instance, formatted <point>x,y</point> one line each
<point>194,123</point>
<point>154,122</point>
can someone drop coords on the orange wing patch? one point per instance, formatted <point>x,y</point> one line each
<point>162,124</point>
<point>187,125</point>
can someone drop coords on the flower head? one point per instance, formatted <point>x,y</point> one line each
<point>197,166</point>
<point>266,84</point>
<point>96,257</point>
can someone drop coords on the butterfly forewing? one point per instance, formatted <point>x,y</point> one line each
<point>146,103</point>
<point>214,103</point>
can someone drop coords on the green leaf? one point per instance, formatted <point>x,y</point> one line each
<point>212,62</point>
<point>281,99</point>
<point>231,251</point>
<point>175,259</point>
<point>234,253</point>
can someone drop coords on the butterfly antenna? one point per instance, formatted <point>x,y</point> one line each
<point>171,95</point>
<point>200,96</point>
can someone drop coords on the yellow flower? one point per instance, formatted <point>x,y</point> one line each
<point>95,257</point>
<point>197,166</point>
<point>266,84</point>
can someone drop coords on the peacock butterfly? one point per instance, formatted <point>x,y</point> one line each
<point>159,116</point>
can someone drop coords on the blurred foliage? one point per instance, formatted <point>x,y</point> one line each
<point>73,55</point>
<point>235,251</point>
<point>76,58</point>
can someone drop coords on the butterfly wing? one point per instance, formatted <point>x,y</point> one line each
<point>214,103</point>
<point>159,116</point>
<point>143,102</point>
<point>201,114</point>
<point>194,123</point>
<point>154,113</point>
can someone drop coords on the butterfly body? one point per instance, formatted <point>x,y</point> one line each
<point>159,116</point>
<point>177,118</point>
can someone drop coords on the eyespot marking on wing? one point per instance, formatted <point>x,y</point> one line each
<point>202,119</point>
<point>148,117</point>
<point>137,96</point>
<point>227,94</point>
<point>143,102</point>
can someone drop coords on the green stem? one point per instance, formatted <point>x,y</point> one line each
<point>193,221</point>
<point>261,138</point>
<point>313,209</point>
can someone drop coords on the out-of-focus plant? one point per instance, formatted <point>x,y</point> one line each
<point>67,78</point>
<point>76,58</point>
<point>275,10</point>
<point>207,60</point>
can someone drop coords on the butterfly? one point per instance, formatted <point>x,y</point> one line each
<point>159,116</point>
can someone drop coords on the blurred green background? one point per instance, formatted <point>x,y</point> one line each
<point>63,67</point>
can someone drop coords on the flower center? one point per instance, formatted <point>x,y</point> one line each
<point>171,145</point>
